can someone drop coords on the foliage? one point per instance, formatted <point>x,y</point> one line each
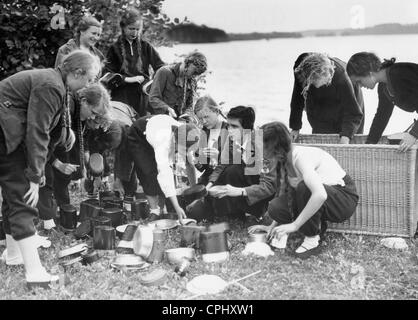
<point>27,39</point>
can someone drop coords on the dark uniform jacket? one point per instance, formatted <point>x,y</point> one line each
<point>31,103</point>
<point>254,153</point>
<point>403,84</point>
<point>131,93</point>
<point>337,108</point>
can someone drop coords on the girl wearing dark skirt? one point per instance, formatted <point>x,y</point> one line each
<point>397,85</point>
<point>314,188</point>
<point>131,57</point>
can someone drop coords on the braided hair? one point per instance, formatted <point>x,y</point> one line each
<point>277,143</point>
<point>130,16</point>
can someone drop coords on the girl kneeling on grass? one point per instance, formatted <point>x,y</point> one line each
<point>314,188</point>
<point>31,103</point>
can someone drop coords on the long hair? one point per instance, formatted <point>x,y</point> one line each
<point>130,16</point>
<point>362,63</point>
<point>277,142</point>
<point>312,68</point>
<point>245,115</point>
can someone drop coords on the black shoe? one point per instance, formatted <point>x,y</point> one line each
<point>308,253</point>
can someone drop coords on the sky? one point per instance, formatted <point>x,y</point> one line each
<point>239,16</point>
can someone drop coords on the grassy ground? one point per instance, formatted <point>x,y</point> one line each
<point>350,267</point>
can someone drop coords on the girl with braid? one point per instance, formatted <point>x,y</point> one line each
<point>31,104</point>
<point>131,57</point>
<point>314,189</point>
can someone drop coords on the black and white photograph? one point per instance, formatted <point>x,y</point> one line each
<point>212,155</point>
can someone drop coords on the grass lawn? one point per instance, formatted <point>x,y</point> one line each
<point>350,267</point>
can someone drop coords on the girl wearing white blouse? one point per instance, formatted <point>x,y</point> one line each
<point>314,189</point>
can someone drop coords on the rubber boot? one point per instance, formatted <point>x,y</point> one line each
<point>36,275</point>
<point>11,255</point>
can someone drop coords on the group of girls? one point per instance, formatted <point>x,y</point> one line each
<point>299,187</point>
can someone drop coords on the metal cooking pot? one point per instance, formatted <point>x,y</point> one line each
<point>143,241</point>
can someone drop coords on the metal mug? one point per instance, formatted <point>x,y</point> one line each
<point>115,214</point>
<point>68,217</point>
<point>140,209</point>
<point>89,209</point>
<point>190,236</point>
<point>104,238</point>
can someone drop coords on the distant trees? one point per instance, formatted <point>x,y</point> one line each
<point>32,31</point>
<point>192,33</point>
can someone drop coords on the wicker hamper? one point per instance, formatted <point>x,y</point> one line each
<point>385,180</point>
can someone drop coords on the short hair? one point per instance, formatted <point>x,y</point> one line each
<point>80,60</point>
<point>98,98</point>
<point>362,63</point>
<point>87,22</point>
<point>198,60</point>
<point>206,101</point>
<point>129,16</point>
<point>245,115</point>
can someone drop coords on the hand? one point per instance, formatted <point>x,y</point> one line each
<point>344,140</point>
<point>118,187</point>
<point>407,142</point>
<point>283,229</point>
<point>65,168</point>
<point>172,113</point>
<point>32,195</point>
<point>255,228</point>
<point>211,152</point>
<point>138,79</point>
<point>229,191</point>
<point>294,134</point>
<point>181,214</point>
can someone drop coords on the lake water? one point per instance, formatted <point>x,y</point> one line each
<point>259,72</point>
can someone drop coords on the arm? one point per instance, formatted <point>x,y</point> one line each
<point>318,192</point>
<point>156,92</point>
<point>296,106</point>
<point>266,187</point>
<point>382,116</point>
<point>44,105</point>
<point>352,113</point>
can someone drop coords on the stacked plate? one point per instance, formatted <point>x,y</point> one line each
<point>129,262</point>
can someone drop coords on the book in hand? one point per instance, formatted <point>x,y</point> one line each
<point>111,80</point>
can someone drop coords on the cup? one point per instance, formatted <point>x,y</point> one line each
<point>115,214</point>
<point>89,209</point>
<point>68,217</point>
<point>140,209</point>
<point>214,246</point>
<point>190,236</point>
<point>104,238</point>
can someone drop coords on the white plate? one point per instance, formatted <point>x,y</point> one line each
<point>206,284</point>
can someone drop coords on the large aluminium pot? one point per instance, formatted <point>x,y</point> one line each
<point>143,241</point>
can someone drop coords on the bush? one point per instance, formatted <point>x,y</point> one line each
<point>27,39</point>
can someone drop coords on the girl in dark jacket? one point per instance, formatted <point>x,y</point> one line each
<point>31,103</point>
<point>132,57</point>
<point>397,85</point>
<point>332,103</point>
